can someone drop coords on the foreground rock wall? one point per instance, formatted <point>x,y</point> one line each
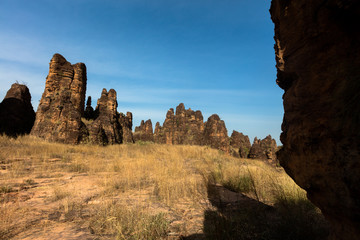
<point>17,115</point>
<point>318,65</point>
<point>58,117</point>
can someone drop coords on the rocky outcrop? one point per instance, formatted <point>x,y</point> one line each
<point>144,132</point>
<point>126,123</point>
<point>58,117</point>
<point>89,110</point>
<point>318,58</point>
<point>215,134</point>
<point>264,149</point>
<point>240,144</point>
<point>17,115</point>
<point>105,128</point>
<point>184,127</point>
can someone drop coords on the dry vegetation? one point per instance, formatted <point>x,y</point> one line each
<point>146,191</point>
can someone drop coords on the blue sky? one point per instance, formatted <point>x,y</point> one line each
<point>214,56</point>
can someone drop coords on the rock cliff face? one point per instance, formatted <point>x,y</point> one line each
<point>58,117</point>
<point>318,58</point>
<point>126,123</point>
<point>17,115</point>
<point>144,132</point>
<point>184,127</point>
<point>240,144</point>
<point>105,128</point>
<point>264,149</point>
<point>215,134</point>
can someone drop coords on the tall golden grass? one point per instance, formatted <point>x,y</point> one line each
<point>167,173</point>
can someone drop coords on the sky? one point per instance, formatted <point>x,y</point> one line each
<point>214,56</point>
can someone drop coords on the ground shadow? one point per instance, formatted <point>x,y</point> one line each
<point>240,217</point>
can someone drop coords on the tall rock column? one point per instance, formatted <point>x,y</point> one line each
<point>58,117</point>
<point>105,128</point>
<point>215,134</point>
<point>318,65</point>
<point>126,122</point>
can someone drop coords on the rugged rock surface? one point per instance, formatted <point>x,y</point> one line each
<point>17,115</point>
<point>105,128</point>
<point>240,144</point>
<point>89,110</point>
<point>264,149</point>
<point>58,117</point>
<point>126,123</point>
<point>184,127</point>
<point>318,58</point>
<point>215,134</point>
<point>144,132</point>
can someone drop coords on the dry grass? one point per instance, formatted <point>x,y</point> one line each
<point>129,191</point>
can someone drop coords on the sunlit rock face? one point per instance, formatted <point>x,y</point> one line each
<point>105,128</point>
<point>318,65</point>
<point>185,126</point>
<point>126,123</point>
<point>144,132</point>
<point>215,134</point>
<point>58,117</point>
<point>17,115</point>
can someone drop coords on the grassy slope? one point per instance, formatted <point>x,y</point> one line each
<point>146,191</point>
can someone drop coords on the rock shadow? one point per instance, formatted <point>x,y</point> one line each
<point>237,216</point>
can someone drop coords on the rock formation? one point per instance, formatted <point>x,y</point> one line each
<point>17,115</point>
<point>215,134</point>
<point>240,144</point>
<point>264,149</point>
<point>144,132</point>
<point>126,123</point>
<point>89,110</point>
<point>61,108</point>
<point>184,127</point>
<point>318,58</point>
<point>58,117</point>
<point>105,128</point>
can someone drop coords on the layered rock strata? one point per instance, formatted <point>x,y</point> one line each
<point>58,117</point>
<point>240,144</point>
<point>317,60</point>
<point>17,115</point>
<point>61,116</point>
<point>144,132</point>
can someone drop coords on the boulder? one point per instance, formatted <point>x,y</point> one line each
<point>264,149</point>
<point>58,117</point>
<point>144,132</point>
<point>240,144</point>
<point>317,59</point>
<point>17,115</point>
<point>215,134</point>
